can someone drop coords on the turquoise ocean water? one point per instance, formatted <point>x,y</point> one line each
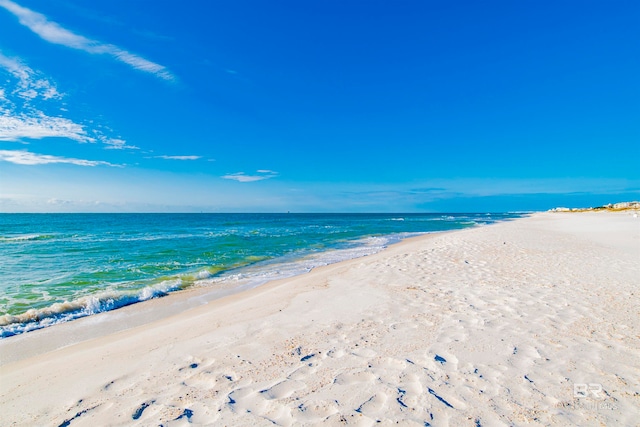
<point>59,267</point>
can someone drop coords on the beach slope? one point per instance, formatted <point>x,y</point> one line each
<point>529,322</point>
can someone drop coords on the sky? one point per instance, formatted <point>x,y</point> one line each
<point>318,106</point>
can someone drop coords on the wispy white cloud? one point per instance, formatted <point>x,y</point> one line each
<point>178,157</point>
<point>242,177</point>
<point>54,33</point>
<point>20,118</point>
<point>116,143</point>
<point>21,89</point>
<point>30,85</point>
<point>38,126</point>
<point>23,157</point>
<point>54,201</point>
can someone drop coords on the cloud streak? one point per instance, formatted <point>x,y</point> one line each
<point>16,127</point>
<point>242,177</point>
<point>56,34</point>
<point>29,85</point>
<point>23,157</point>
<point>26,87</point>
<point>116,143</point>
<point>178,157</point>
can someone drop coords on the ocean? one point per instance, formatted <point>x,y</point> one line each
<point>59,267</point>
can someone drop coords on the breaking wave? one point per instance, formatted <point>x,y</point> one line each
<point>85,306</point>
<point>27,237</point>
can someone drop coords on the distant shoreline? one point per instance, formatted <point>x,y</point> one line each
<point>611,207</point>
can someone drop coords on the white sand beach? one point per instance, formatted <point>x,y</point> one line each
<point>529,322</point>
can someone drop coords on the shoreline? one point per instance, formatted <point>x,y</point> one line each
<point>141,313</point>
<point>493,324</point>
<point>119,291</point>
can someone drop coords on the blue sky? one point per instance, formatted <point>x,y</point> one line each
<point>317,106</point>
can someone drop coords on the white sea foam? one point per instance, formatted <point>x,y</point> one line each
<point>27,237</point>
<point>245,277</point>
<point>203,274</point>
<point>85,306</point>
<point>285,267</point>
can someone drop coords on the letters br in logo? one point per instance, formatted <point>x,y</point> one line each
<point>586,390</point>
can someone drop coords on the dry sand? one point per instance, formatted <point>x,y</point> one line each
<point>529,322</point>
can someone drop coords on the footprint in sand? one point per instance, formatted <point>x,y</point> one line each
<point>263,403</point>
<point>282,390</point>
<point>410,392</point>
<point>140,410</point>
<point>439,360</point>
<point>388,363</point>
<point>120,385</point>
<point>367,353</point>
<point>303,373</point>
<point>374,406</point>
<point>314,411</point>
<point>355,378</point>
<point>243,400</point>
<point>202,381</point>
<point>335,353</point>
